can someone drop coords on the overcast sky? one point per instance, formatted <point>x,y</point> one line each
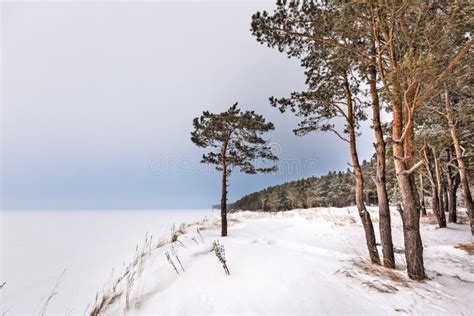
<point>98,101</point>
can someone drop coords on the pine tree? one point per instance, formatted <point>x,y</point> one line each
<point>458,98</point>
<point>446,125</point>
<point>418,46</point>
<point>333,84</point>
<point>432,167</point>
<point>236,141</point>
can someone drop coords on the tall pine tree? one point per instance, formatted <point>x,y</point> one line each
<point>333,83</point>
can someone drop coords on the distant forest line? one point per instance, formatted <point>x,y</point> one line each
<point>334,189</point>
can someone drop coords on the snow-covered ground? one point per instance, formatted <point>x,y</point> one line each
<point>297,262</point>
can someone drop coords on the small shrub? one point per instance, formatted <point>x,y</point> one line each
<point>220,254</point>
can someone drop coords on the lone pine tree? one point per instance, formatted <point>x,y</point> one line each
<point>236,141</point>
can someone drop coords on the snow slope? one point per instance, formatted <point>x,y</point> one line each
<point>296,262</point>
<point>302,262</point>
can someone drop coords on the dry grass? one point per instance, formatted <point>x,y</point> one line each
<point>380,271</point>
<point>209,225</point>
<point>375,277</point>
<point>206,224</point>
<point>380,286</point>
<point>468,247</point>
<point>124,282</point>
<point>175,233</point>
<point>122,285</point>
<point>53,293</point>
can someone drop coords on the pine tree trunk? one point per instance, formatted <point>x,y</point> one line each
<point>359,179</point>
<point>385,226</point>
<point>224,190</point>
<point>463,172</point>
<point>422,195</point>
<point>441,198</point>
<point>224,204</point>
<point>435,197</point>
<point>442,216</point>
<point>409,148</point>
<point>409,208</point>
<point>452,217</point>
<point>409,211</point>
<point>445,197</point>
<point>452,186</point>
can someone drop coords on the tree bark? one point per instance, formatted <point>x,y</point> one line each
<point>441,197</point>
<point>452,181</point>
<point>422,195</point>
<point>452,209</point>
<point>224,204</point>
<point>385,226</point>
<point>439,182</point>
<point>445,196</point>
<point>224,191</point>
<point>435,197</point>
<point>359,179</point>
<point>463,172</point>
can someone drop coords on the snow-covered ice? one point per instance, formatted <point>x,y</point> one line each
<point>36,246</point>
<point>296,262</point>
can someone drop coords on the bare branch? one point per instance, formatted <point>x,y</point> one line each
<point>413,169</point>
